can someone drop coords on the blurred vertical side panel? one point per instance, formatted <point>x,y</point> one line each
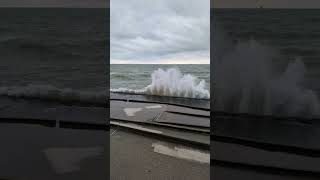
<point>264,105</point>
<point>54,87</point>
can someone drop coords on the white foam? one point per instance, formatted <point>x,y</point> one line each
<point>153,107</point>
<point>49,92</point>
<point>130,91</point>
<point>172,82</point>
<point>131,111</point>
<point>182,152</point>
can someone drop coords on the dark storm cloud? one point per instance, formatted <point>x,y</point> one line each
<point>265,3</point>
<point>165,31</point>
<point>55,3</point>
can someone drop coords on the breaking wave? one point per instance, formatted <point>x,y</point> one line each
<point>51,93</point>
<point>172,82</point>
<point>246,81</point>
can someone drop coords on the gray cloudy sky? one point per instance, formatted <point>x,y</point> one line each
<point>265,3</point>
<point>55,3</point>
<point>160,31</point>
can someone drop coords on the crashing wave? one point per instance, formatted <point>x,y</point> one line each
<point>172,82</point>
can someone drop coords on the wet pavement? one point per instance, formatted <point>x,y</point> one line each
<point>172,122</point>
<point>152,140</point>
<point>247,146</point>
<point>287,132</point>
<point>41,140</point>
<point>161,113</point>
<point>37,152</point>
<point>136,156</point>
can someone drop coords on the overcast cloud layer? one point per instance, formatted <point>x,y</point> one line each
<point>161,31</point>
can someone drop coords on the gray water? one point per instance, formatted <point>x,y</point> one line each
<point>137,76</point>
<point>54,53</point>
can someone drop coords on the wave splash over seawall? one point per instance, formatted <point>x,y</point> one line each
<point>246,81</point>
<point>172,82</point>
